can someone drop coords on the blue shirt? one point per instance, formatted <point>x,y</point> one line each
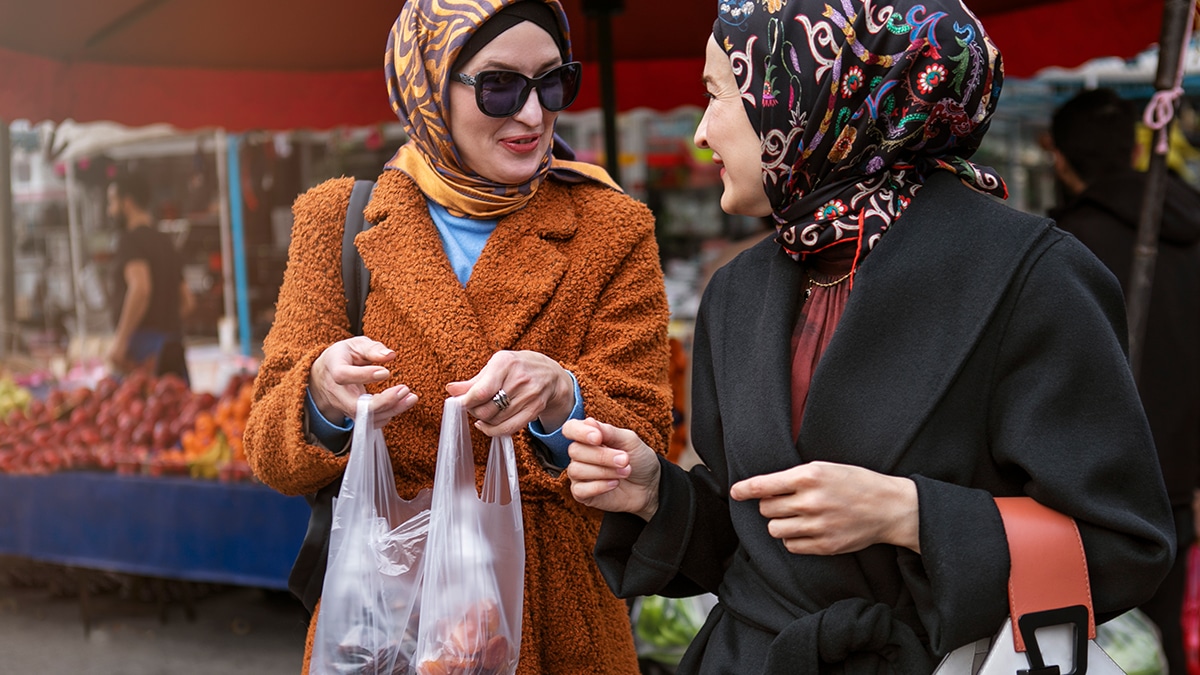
<point>463,239</point>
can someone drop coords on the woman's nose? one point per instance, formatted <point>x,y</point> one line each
<point>531,113</point>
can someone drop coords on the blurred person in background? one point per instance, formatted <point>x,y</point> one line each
<point>150,294</point>
<point>1093,139</point>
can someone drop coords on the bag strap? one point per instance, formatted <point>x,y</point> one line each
<point>1048,582</point>
<point>356,278</point>
<point>307,576</point>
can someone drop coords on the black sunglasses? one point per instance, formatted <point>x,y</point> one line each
<point>502,93</point>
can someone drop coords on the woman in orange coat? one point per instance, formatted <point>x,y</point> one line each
<point>526,284</point>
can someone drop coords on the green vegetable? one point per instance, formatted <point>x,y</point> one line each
<point>664,627</point>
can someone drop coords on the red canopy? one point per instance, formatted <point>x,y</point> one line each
<point>244,64</point>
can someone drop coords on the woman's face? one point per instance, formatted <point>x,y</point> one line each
<point>726,130</point>
<point>505,150</point>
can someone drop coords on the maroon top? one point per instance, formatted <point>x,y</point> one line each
<point>816,322</point>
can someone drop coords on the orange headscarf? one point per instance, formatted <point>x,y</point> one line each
<point>422,48</point>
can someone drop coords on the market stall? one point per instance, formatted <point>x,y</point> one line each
<point>170,527</point>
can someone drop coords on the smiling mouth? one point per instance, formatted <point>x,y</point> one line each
<point>521,144</point>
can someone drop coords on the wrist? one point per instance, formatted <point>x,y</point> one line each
<point>652,490</point>
<point>905,527</point>
<point>561,403</point>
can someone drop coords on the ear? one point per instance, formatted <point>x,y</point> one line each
<point>1066,173</point>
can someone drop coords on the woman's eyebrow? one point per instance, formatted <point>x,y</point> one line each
<point>494,64</point>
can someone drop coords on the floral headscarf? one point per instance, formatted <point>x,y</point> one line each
<point>421,51</point>
<point>856,102</point>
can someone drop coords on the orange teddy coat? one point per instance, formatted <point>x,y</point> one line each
<point>574,275</point>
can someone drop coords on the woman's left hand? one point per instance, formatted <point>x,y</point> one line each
<point>535,385</point>
<point>821,508</point>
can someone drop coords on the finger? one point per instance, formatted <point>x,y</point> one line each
<point>598,456</point>
<point>345,374</point>
<point>766,485</point>
<point>780,507</point>
<point>506,427</point>
<point>461,387</point>
<point>616,437</point>
<point>484,386</point>
<point>391,402</point>
<point>793,528</point>
<point>583,431</point>
<point>365,350</point>
<point>583,491</point>
<point>583,471</point>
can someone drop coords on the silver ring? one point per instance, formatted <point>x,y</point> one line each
<point>501,400</point>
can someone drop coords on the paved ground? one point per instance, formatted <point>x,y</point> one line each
<point>235,631</point>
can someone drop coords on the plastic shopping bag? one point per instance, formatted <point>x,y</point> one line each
<point>369,610</point>
<point>474,559</point>
<point>1134,643</point>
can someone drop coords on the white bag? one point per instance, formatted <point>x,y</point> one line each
<point>367,622</point>
<point>1050,603</point>
<point>474,559</point>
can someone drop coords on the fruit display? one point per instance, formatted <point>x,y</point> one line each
<point>13,397</point>
<point>140,424</point>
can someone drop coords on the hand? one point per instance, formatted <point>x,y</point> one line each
<point>820,508</point>
<point>611,469</point>
<point>536,387</point>
<point>339,376</point>
<point>118,357</point>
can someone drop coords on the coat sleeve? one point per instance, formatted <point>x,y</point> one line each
<point>623,366</point>
<point>310,315</point>
<point>1065,424</point>
<point>684,549</point>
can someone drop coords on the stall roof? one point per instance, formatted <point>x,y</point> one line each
<point>247,64</point>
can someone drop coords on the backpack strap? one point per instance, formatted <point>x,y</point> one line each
<point>307,576</point>
<point>356,278</point>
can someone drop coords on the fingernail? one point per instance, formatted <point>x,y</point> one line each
<point>382,374</point>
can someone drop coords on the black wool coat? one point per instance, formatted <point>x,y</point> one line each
<point>981,354</point>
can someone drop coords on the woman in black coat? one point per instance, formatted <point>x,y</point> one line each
<point>844,513</point>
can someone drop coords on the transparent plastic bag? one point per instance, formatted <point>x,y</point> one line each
<point>1134,643</point>
<point>474,559</point>
<point>367,622</point>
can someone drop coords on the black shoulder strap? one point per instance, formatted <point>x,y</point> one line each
<point>307,577</point>
<point>356,278</point>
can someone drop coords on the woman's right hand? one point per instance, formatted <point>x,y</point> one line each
<point>340,375</point>
<point>611,469</point>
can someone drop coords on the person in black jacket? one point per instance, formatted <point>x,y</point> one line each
<point>151,297</point>
<point>906,350</point>
<point>1093,137</point>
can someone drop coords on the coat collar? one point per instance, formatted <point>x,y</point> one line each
<point>412,280</point>
<point>920,302</point>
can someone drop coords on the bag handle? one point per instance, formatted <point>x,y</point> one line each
<point>1048,581</point>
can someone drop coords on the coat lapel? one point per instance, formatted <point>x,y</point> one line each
<point>412,280</point>
<point>520,268</point>
<point>751,345</point>
<point>919,304</point>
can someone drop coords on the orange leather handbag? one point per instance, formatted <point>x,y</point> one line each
<point>1051,629</point>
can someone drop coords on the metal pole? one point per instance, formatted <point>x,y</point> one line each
<point>227,291</point>
<point>608,95</point>
<point>75,239</point>
<point>8,246</point>
<point>1177,15</point>
<point>237,234</point>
